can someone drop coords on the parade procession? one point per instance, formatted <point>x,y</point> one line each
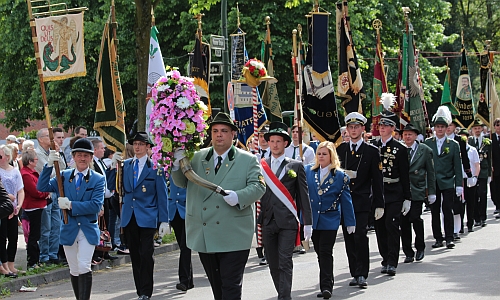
<point>155,158</point>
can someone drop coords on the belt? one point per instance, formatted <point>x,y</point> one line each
<point>390,180</point>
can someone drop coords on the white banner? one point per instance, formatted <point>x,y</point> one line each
<point>60,44</point>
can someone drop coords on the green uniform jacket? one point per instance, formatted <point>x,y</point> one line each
<point>212,225</point>
<point>422,174</point>
<point>447,165</point>
<point>484,152</point>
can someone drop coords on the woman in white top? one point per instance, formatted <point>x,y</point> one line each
<point>13,183</point>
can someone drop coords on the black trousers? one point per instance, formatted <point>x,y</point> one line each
<point>413,217</point>
<point>495,190</point>
<point>481,200</point>
<point>142,256</point>
<point>279,251</point>
<point>470,204</point>
<point>324,240</point>
<point>8,231</point>
<point>185,267</point>
<point>32,249</point>
<point>446,205</point>
<point>388,234</point>
<point>356,246</point>
<point>225,272</point>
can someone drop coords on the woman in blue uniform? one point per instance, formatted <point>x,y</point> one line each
<point>84,191</point>
<point>330,201</point>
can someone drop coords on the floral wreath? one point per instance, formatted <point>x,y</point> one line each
<point>256,68</point>
<point>178,119</point>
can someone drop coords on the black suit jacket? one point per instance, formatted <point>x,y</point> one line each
<point>366,160</point>
<point>272,207</point>
<point>495,155</point>
<point>395,164</point>
<point>463,154</point>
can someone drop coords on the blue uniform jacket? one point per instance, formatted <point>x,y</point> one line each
<point>176,201</point>
<point>148,200</point>
<point>84,207</point>
<point>331,187</point>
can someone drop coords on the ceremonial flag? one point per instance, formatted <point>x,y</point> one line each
<point>200,70</point>
<point>110,109</point>
<point>400,92</point>
<point>60,46</point>
<point>446,95</point>
<point>463,97</point>
<point>156,68</point>
<point>349,83</point>
<point>484,97</point>
<point>270,98</point>
<point>494,102</point>
<point>319,107</point>
<point>379,87</point>
<point>414,94</point>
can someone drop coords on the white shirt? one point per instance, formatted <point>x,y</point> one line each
<point>223,155</point>
<point>266,155</point>
<point>107,193</point>
<point>385,143</point>
<point>479,140</point>
<point>323,172</point>
<point>84,172</point>
<point>358,144</point>
<point>142,162</point>
<point>439,143</point>
<point>307,153</point>
<point>278,161</point>
<point>473,158</point>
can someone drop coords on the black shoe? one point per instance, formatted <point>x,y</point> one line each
<point>143,297</point>
<point>461,230</point>
<point>420,255</point>
<point>383,270</point>
<point>319,295</point>
<point>391,270</point>
<point>181,287</point>
<point>477,224</point>
<point>497,217</point>
<point>409,259</point>
<point>55,261</point>
<point>497,211</point>
<point>327,294</point>
<point>10,275</point>
<point>110,257</point>
<point>353,282</point>
<point>471,229</point>
<point>450,245</point>
<point>456,237</point>
<point>263,262</point>
<point>362,282</point>
<point>437,244</point>
<point>483,223</point>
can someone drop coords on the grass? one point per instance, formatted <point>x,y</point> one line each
<point>168,238</point>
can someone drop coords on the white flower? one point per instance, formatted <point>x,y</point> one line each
<point>158,122</point>
<point>182,103</point>
<point>162,87</point>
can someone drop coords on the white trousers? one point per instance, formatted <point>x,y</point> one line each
<point>79,255</point>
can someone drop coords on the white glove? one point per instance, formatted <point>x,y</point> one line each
<point>489,180</point>
<point>114,160</point>
<point>53,156</point>
<point>472,181</point>
<point>64,202</point>
<point>431,198</point>
<point>406,207</point>
<point>459,190</point>
<point>164,229</point>
<point>351,229</point>
<point>178,155</point>
<point>231,198</point>
<point>379,213</point>
<point>308,232</point>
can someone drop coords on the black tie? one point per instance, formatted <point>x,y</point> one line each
<point>477,142</point>
<point>219,162</point>
<point>354,148</point>
<point>410,153</point>
<point>294,148</point>
<point>263,153</point>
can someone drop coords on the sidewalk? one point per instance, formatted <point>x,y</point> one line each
<point>63,272</point>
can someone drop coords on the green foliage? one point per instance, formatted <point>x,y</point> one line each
<point>168,238</point>
<point>5,291</point>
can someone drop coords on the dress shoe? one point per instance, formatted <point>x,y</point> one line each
<point>181,287</point>
<point>456,237</point>
<point>437,244</point>
<point>391,270</point>
<point>420,255</point>
<point>383,270</point>
<point>409,259</point>
<point>263,261</point>
<point>450,245</point>
<point>477,224</point>
<point>483,223</point>
<point>327,294</point>
<point>362,282</point>
<point>471,229</point>
<point>110,257</point>
<point>353,282</point>
<point>497,217</point>
<point>319,295</point>
<point>143,297</point>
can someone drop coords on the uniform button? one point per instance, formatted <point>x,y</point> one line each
<point>133,199</point>
<point>217,206</point>
<point>178,194</point>
<point>131,207</point>
<point>204,208</point>
<point>177,201</point>
<point>78,224</point>
<point>319,203</point>
<point>217,222</point>
<point>204,224</point>
<point>318,211</point>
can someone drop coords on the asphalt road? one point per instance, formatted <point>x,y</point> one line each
<point>470,271</point>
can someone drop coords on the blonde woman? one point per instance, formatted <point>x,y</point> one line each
<point>13,183</point>
<point>330,201</point>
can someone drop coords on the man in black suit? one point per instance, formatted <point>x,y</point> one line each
<point>361,161</point>
<point>279,219</point>
<point>495,165</point>
<point>395,169</point>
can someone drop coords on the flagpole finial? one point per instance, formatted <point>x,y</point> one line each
<point>406,11</point>
<point>294,42</point>
<point>462,36</point>
<point>152,16</point>
<point>238,14</point>
<point>267,19</point>
<point>299,28</point>
<point>377,24</point>
<point>487,44</point>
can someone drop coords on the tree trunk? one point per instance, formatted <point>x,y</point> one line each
<point>142,36</point>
